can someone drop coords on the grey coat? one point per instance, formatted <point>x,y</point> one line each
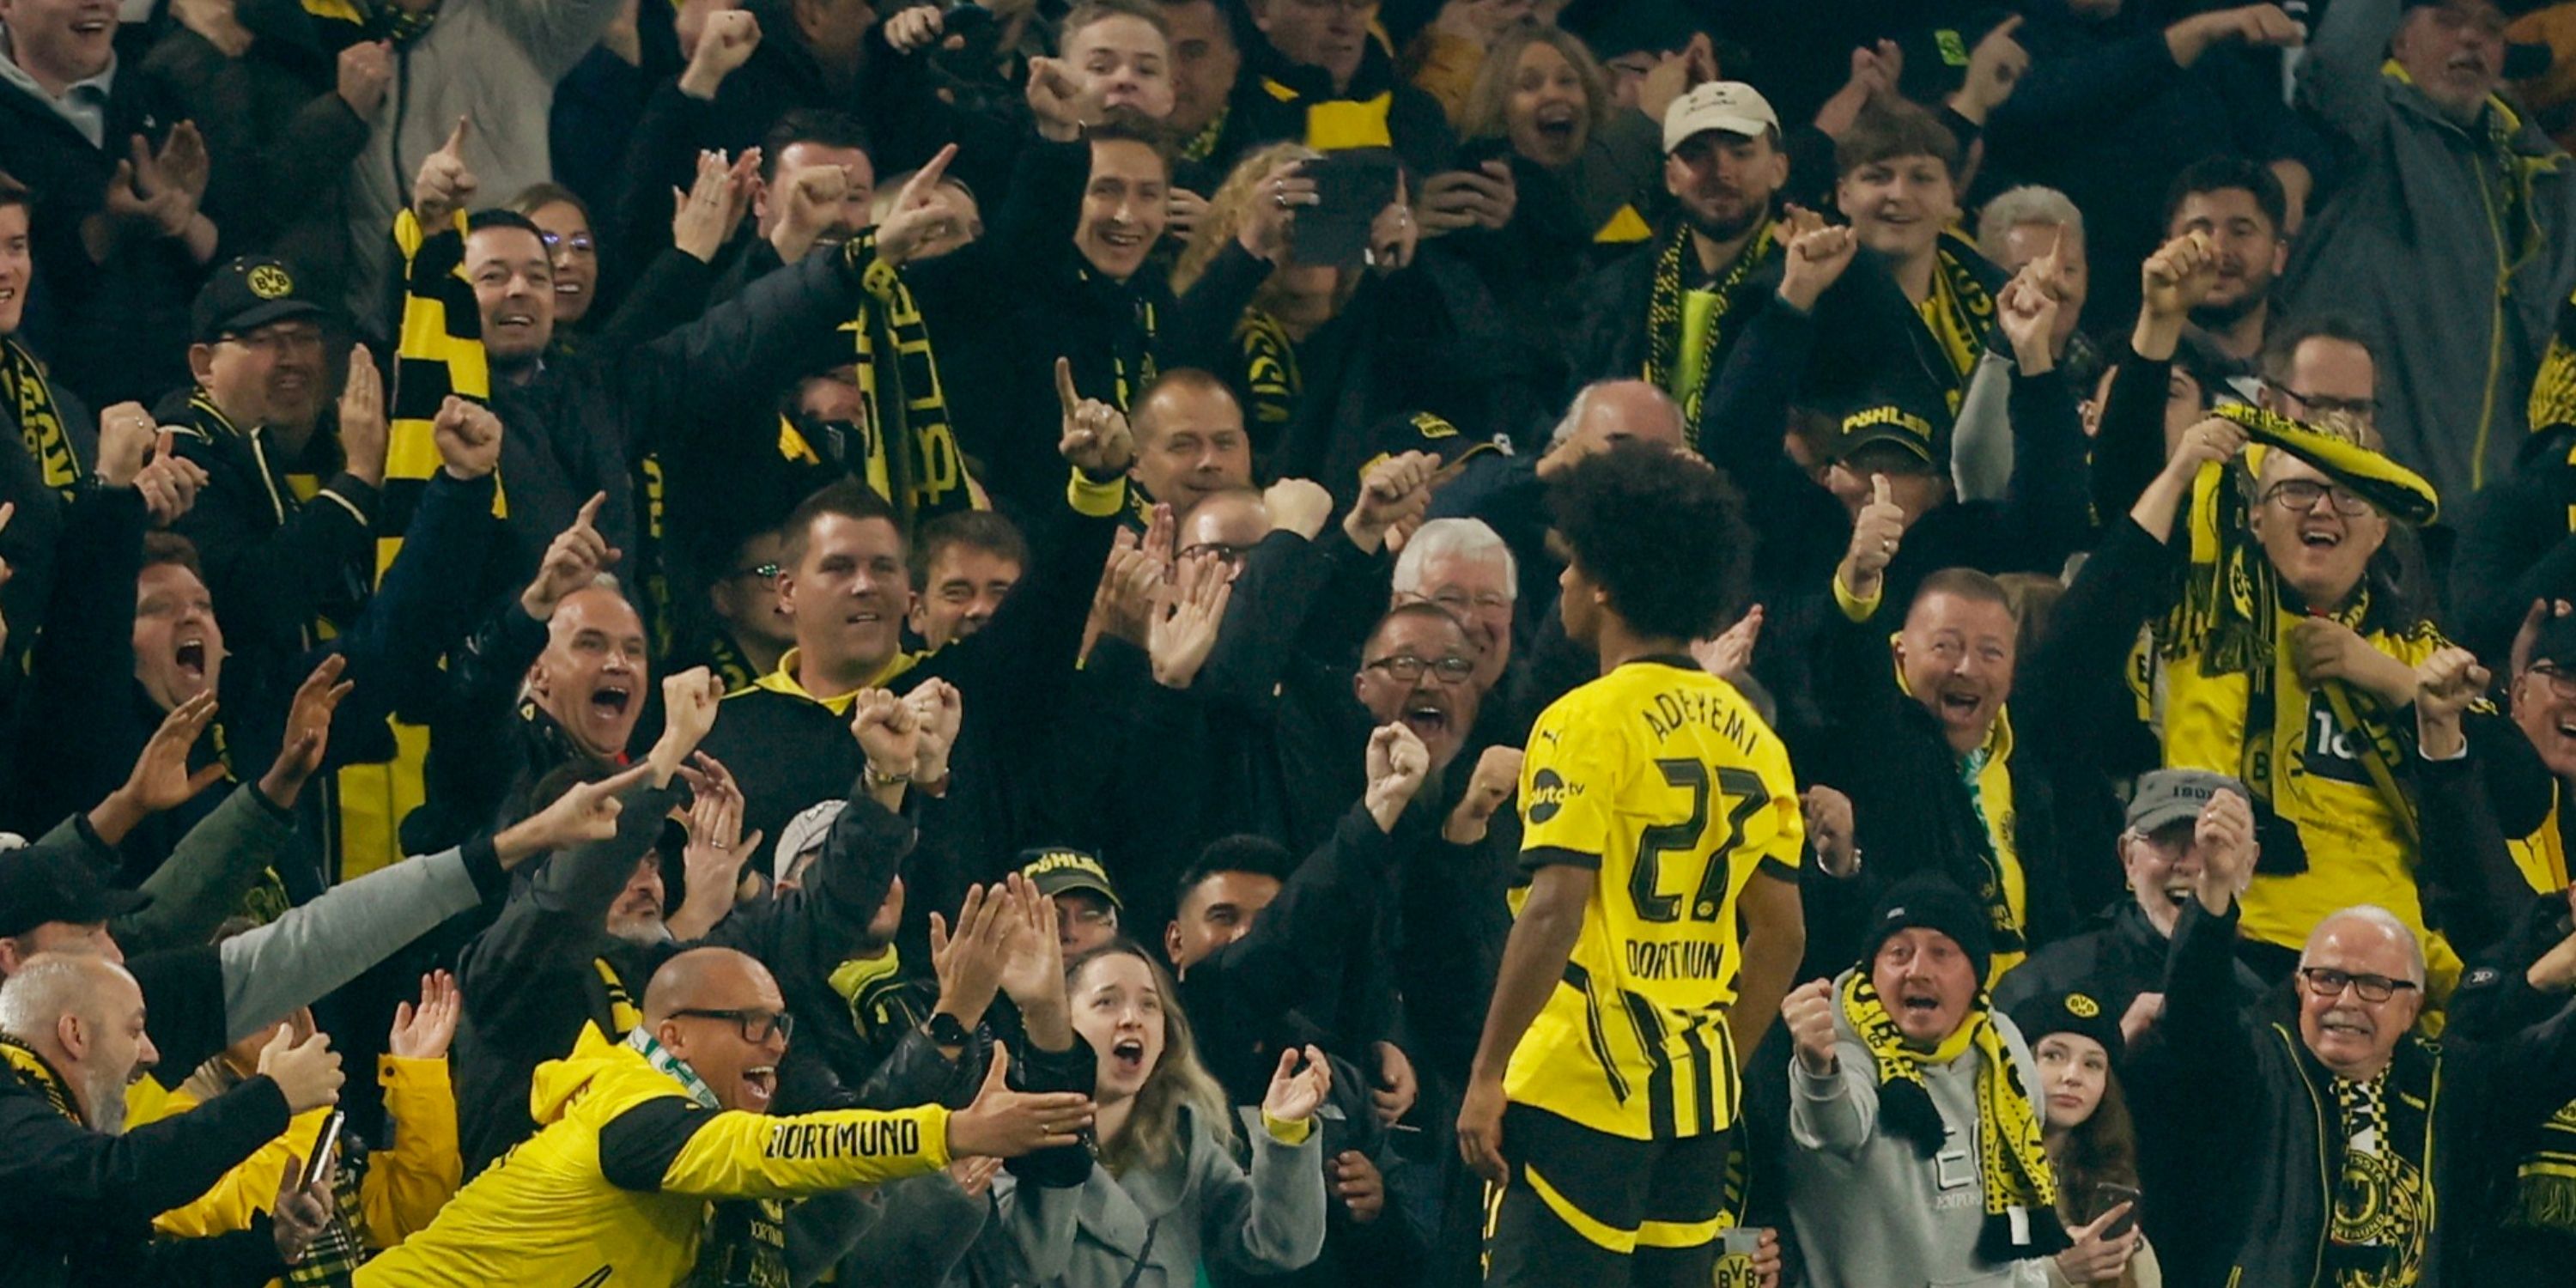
<point>2413,247</point>
<point>1155,1228</point>
<point>1869,1211</point>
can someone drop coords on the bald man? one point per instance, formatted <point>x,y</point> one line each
<point>639,1137</point>
<point>81,1192</point>
<point>1190,440</point>
<point>2401,1117</point>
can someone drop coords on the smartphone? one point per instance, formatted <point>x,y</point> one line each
<point>2108,1196</point>
<point>319,1165</point>
<point>1351,188</point>
<point>1474,153</point>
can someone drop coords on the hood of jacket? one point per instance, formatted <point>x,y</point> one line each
<point>600,1079</point>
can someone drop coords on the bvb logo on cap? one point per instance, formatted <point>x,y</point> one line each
<point>2082,1007</point>
<point>268,282</point>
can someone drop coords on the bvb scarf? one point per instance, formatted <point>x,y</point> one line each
<point>2012,1161</point>
<point>1666,300</point>
<point>32,1069</point>
<point>2383,1202</point>
<point>27,396</point>
<point>1270,376</point>
<point>438,352</point>
<point>2227,621</point>
<point>1958,314</point>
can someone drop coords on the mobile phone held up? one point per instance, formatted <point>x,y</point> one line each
<point>2109,1196</point>
<point>1350,188</point>
<point>319,1165</point>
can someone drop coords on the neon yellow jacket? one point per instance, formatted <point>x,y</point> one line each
<point>405,1186</point>
<point>614,1187</point>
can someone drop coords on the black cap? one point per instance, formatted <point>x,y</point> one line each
<point>42,883</point>
<point>1423,431</point>
<point>1930,901</point>
<point>2071,1012</point>
<point>1056,869</point>
<point>246,294</point>
<point>1870,417</point>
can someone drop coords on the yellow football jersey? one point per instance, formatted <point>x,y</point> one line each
<point>1660,777</point>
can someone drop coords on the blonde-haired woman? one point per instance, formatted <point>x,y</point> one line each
<point>1271,357</point>
<point>1165,1199</point>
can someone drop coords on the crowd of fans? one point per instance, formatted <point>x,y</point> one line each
<point>976,644</point>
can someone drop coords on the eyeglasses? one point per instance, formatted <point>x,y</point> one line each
<point>760,572</point>
<point>279,341</point>
<point>2364,408</point>
<point>577,244</point>
<point>2326,981</point>
<point>756,1026</point>
<point>2561,684</point>
<point>1405,668</point>
<point>1088,914</point>
<point>2299,496</point>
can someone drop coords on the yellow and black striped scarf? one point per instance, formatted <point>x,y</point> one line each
<point>2544,1182</point>
<point>2381,1207</point>
<point>2012,1158</point>
<point>30,397</point>
<point>32,1069</point>
<point>1270,375</point>
<point>1665,302</point>
<point>438,352</point>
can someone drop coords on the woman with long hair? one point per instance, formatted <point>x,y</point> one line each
<point>1165,1198</point>
<point>2091,1143</point>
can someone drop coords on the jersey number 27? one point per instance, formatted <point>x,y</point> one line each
<point>1689,838</point>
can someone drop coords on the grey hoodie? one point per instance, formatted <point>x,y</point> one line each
<point>1869,1211</point>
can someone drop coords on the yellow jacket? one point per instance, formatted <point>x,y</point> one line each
<point>405,1186</point>
<point>614,1187</point>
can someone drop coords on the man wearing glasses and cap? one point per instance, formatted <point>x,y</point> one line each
<point>1086,905</point>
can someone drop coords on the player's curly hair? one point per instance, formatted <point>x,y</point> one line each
<point>1661,531</point>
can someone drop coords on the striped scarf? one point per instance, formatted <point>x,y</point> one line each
<point>1959,314</point>
<point>1665,301</point>
<point>1270,376</point>
<point>26,395</point>
<point>438,352</point>
<point>2020,1188</point>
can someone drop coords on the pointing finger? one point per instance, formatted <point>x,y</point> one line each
<point>589,515</point>
<point>1064,385</point>
<point>455,145</point>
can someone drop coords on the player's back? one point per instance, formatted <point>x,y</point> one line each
<point>1665,781</point>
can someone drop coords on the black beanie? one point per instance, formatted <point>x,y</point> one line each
<point>2071,1012</point>
<point>1931,902</point>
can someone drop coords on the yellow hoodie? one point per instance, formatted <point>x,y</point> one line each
<point>614,1187</point>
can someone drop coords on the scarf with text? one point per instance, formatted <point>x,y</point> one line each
<point>27,395</point>
<point>2020,1188</point>
<point>1666,301</point>
<point>2227,623</point>
<point>32,1069</point>
<point>1959,314</point>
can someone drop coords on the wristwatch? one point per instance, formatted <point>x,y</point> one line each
<point>946,1031</point>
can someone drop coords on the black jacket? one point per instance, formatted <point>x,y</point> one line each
<point>115,331</point>
<point>2516,545</point>
<point>279,566</point>
<point>2261,1100</point>
<point>533,979</point>
<point>87,718</point>
<point>81,1202</point>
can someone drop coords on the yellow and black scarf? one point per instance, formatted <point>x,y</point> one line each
<point>30,397</point>
<point>1667,300</point>
<point>622,1011</point>
<point>1270,376</point>
<point>914,460</point>
<point>1959,315</point>
<point>438,352</point>
<point>32,1069</point>
<point>1202,145</point>
<point>2544,1182</point>
<point>2020,1187</point>
<point>385,22</point>
<point>2382,1204</point>
<point>2227,618</point>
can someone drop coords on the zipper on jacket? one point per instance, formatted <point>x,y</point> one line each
<point>2495,338</point>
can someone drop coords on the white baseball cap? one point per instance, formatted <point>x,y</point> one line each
<point>1732,106</point>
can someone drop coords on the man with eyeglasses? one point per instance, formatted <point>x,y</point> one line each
<point>283,524</point>
<point>2543,697</point>
<point>2321,368</point>
<point>2353,1148</point>
<point>652,1145</point>
<point>1463,566</point>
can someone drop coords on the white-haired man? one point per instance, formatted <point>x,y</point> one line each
<point>82,1192</point>
<point>2401,1119</point>
<point>1464,566</point>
